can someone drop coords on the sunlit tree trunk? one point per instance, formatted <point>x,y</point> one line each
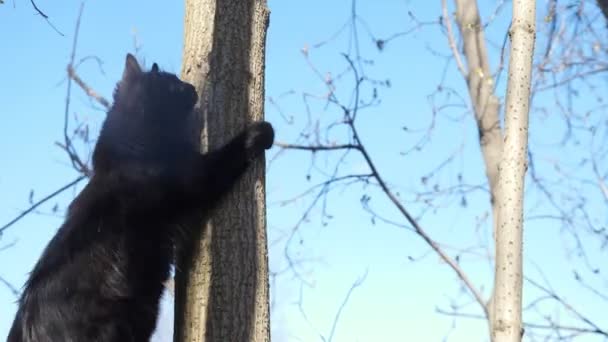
<point>506,182</point>
<point>507,309</point>
<point>486,105</point>
<point>222,291</point>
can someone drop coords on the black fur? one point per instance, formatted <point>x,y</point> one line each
<point>100,277</point>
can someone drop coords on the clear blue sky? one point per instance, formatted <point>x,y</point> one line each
<point>398,299</point>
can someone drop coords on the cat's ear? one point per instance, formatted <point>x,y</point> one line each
<point>154,67</point>
<point>132,68</point>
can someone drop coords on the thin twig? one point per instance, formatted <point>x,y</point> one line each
<point>352,289</point>
<point>569,307</point>
<point>527,325</point>
<point>447,21</point>
<point>40,202</point>
<point>38,10</point>
<point>10,287</point>
<point>90,91</point>
<point>359,146</point>
<point>77,163</point>
<point>8,245</point>
<point>46,17</point>
<point>314,148</point>
<point>419,230</point>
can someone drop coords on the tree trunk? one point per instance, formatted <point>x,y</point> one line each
<point>485,103</point>
<point>507,320</point>
<point>222,291</point>
<point>481,89</point>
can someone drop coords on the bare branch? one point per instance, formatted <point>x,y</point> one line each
<point>360,147</point>
<point>40,202</point>
<point>567,56</point>
<point>46,17</point>
<point>10,287</point>
<point>528,325</point>
<point>352,289</point>
<point>447,21</point>
<point>77,163</point>
<point>38,10</point>
<point>88,90</point>
<point>67,145</point>
<point>596,328</point>
<point>419,230</point>
<point>8,245</point>
<point>315,148</point>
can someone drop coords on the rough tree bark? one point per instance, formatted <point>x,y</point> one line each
<point>507,320</point>
<point>222,290</point>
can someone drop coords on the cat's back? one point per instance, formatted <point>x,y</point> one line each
<point>79,290</point>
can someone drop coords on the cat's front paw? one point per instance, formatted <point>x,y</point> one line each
<point>260,136</point>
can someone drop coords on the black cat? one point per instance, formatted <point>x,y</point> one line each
<point>100,277</point>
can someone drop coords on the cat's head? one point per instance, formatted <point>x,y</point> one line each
<point>150,119</point>
<point>153,95</point>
